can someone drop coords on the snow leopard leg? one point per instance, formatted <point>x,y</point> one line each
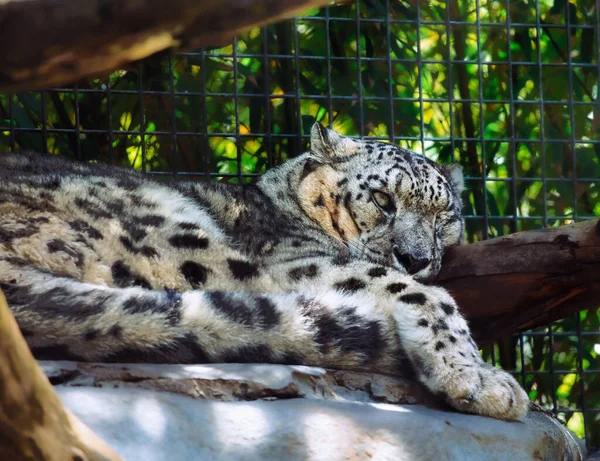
<point>62,318</point>
<point>432,332</point>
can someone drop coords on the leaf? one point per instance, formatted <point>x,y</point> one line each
<point>445,154</point>
<point>322,112</point>
<point>31,103</point>
<point>307,123</point>
<point>522,38</point>
<point>308,86</point>
<point>399,52</point>
<point>21,118</point>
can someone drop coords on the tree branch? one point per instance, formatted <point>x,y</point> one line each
<point>526,279</point>
<point>53,42</point>
<point>33,423</point>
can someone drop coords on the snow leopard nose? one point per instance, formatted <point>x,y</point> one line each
<point>412,263</point>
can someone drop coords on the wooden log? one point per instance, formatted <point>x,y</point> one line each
<point>526,279</point>
<point>53,42</point>
<point>34,425</point>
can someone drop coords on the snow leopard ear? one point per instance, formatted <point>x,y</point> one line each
<point>324,143</point>
<point>455,174</point>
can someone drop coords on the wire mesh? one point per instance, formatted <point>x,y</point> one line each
<point>508,89</point>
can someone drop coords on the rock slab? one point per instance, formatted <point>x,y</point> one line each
<point>274,412</point>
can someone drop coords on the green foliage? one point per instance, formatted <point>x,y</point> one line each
<point>240,109</point>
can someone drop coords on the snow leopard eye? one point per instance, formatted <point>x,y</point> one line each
<point>383,201</point>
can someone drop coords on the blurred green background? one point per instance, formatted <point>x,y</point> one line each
<point>508,89</point>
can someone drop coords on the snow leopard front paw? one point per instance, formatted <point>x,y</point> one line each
<point>486,390</point>
<point>437,340</point>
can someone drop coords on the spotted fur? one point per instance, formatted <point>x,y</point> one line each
<point>319,263</point>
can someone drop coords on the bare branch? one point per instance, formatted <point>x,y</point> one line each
<point>52,42</point>
<point>33,422</point>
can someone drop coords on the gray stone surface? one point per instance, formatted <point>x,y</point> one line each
<point>272,412</point>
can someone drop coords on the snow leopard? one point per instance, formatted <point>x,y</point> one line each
<point>325,260</point>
